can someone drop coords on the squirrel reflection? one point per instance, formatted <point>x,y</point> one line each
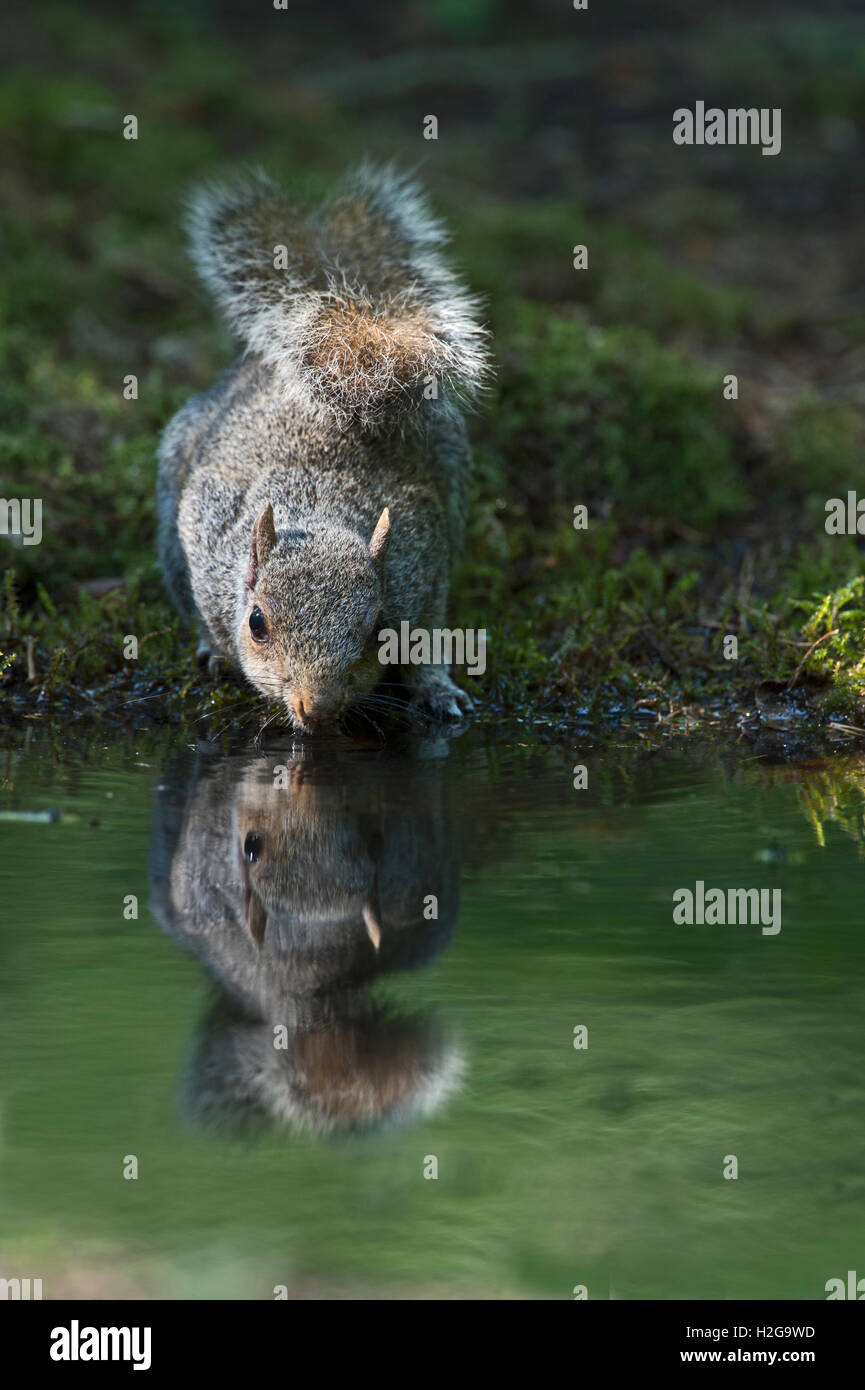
<point>297,883</point>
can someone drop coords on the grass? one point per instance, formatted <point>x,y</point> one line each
<point>705,515</point>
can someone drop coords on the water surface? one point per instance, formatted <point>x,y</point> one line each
<point>353,967</point>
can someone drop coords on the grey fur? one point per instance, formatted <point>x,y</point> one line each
<point>284,934</point>
<point>326,420</point>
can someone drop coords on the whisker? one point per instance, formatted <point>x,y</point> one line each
<point>215,713</point>
<point>394,709</point>
<point>267,723</point>
<point>356,709</point>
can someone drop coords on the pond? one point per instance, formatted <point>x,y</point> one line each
<point>341,1021</point>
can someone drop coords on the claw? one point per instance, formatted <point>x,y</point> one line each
<point>443,701</point>
<point>373,930</point>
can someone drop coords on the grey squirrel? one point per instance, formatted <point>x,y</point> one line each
<point>297,899</point>
<point>317,493</point>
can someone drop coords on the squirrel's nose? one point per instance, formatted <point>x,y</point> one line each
<point>313,712</point>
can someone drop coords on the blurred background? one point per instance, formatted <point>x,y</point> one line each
<point>706,518</point>
<point>554,128</point>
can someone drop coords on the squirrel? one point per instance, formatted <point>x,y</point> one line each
<point>317,493</point>
<point>297,900</point>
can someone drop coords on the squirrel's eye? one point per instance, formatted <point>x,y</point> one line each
<point>252,847</point>
<point>258,625</point>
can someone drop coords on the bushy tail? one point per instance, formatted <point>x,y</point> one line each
<point>352,305</point>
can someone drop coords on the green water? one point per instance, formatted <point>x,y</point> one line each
<point>426,929</point>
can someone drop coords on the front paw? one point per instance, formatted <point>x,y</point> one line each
<point>214,661</point>
<point>442,700</point>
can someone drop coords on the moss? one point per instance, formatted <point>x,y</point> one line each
<point>529,251</point>
<point>835,631</point>
<point>705,515</point>
<point>817,449</point>
<point>608,416</point>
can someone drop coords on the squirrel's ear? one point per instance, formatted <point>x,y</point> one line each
<point>380,537</point>
<point>263,541</point>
